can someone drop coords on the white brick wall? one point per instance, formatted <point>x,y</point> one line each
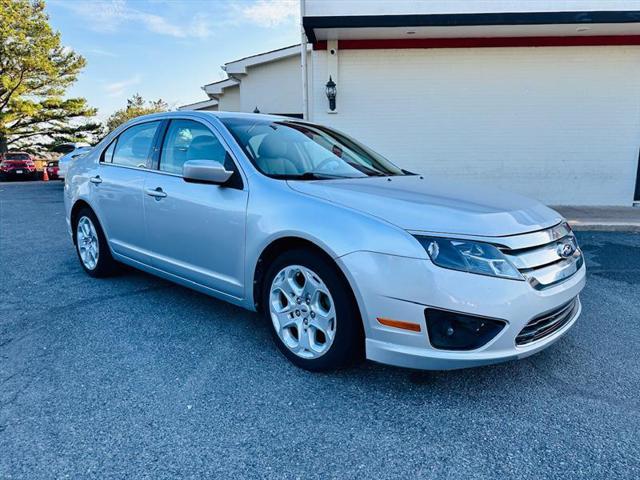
<point>558,124</point>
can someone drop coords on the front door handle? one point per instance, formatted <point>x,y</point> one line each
<point>96,180</point>
<point>156,192</point>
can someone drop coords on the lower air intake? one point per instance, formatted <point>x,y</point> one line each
<point>546,324</point>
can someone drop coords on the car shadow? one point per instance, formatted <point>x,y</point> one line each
<point>236,321</point>
<point>243,340</point>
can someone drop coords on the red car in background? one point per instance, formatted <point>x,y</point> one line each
<point>17,165</point>
<point>52,170</point>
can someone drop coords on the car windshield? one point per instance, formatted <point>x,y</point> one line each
<point>298,150</point>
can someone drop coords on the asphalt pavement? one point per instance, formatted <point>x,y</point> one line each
<point>134,377</point>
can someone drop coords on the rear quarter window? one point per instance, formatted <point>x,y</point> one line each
<point>107,155</point>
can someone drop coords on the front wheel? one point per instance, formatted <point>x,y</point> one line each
<point>316,323</point>
<point>91,245</point>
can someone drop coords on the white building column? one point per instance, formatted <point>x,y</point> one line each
<point>332,69</point>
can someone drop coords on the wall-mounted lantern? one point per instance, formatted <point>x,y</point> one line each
<point>331,93</point>
<point>255,110</point>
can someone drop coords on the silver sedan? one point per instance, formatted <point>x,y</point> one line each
<point>345,254</point>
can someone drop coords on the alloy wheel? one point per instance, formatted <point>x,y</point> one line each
<point>302,311</point>
<point>87,240</point>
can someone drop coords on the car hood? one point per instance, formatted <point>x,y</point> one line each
<point>421,204</point>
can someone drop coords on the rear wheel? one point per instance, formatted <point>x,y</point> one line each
<point>91,245</point>
<point>315,320</point>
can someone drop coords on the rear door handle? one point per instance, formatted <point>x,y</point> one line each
<point>157,193</point>
<point>96,180</point>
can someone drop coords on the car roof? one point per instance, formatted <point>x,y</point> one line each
<point>255,116</point>
<point>218,116</point>
<point>202,114</point>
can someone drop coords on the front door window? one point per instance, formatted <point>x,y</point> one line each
<point>188,140</point>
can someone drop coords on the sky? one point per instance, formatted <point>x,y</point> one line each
<point>165,49</point>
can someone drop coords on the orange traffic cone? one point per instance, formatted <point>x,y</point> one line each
<point>45,175</point>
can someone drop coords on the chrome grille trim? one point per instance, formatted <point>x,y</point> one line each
<point>550,275</point>
<point>533,239</point>
<point>534,257</point>
<point>548,323</point>
<point>541,264</point>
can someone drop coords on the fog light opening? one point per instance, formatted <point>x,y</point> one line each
<point>457,331</point>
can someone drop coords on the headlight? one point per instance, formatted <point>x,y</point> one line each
<point>469,256</point>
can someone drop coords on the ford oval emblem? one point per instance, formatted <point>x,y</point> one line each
<point>566,249</point>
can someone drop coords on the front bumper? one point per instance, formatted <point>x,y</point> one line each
<point>402,288</point>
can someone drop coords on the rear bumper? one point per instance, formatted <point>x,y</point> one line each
<point>402,288</point>
<point>13,174</point>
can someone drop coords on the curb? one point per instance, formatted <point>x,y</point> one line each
<point>604,227</point>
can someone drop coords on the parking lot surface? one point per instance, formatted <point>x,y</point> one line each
<point>134,377</point>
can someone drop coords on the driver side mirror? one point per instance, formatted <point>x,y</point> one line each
<point>205,171</point>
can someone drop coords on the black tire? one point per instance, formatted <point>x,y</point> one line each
<point>348,344</point>
<point>105,265</point>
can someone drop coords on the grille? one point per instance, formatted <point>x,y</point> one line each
<point>546,324</point>
<point>536,256</point>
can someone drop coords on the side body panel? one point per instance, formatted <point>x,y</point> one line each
<point>119,200</point>
<point>277,211</point>
<point>197,231</point>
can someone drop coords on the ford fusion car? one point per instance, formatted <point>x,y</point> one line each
<point>345,254</point>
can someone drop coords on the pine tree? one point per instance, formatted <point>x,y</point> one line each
<point>35,72</point>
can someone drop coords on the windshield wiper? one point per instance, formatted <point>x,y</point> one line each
<point>318,176</point>
<point>309,176</point>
